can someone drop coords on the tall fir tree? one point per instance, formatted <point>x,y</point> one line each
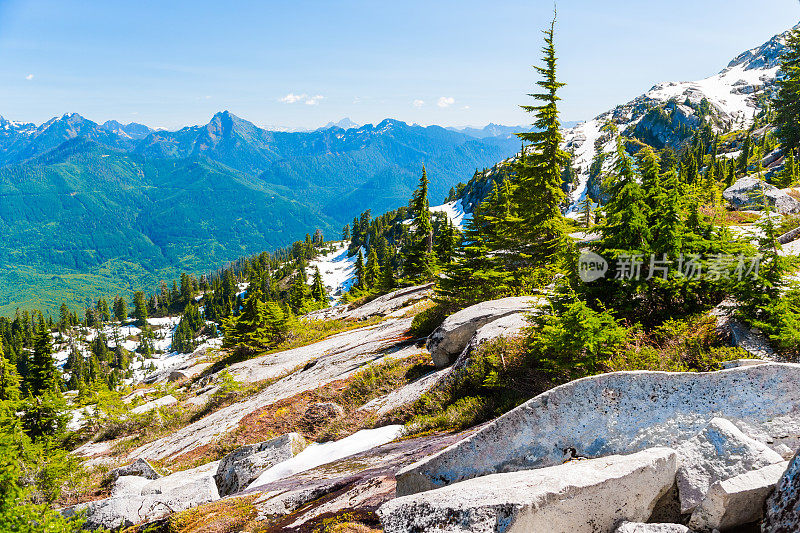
<point>372,270</point>
<point>9,379</point>
<point>318,291</point>
<point>420,262</point>
<point>42,373</point>
<point>539,229</point>
<point>626,227</point>
<point>787,102</point>
<point>788,176</point>
<point>361,281</point>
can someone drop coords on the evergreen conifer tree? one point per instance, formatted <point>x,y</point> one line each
<point>361,281</point>
<point>626,227</point>
<point>420,263</point>
<point>787,103</point>
<point>9,379</point>
<point>318,291</point>
<point>539,229</point>
<point>372,271</point>
<point>43,374</point>
<point>788,176</point>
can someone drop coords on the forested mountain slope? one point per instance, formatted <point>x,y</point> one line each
<point>87,207</point>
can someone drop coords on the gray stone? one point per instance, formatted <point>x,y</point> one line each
<point>129,485</point>
<point>140,467</point>
<point>453,335</point>
<point>719,452</point>
<point>590,496</point>
<point>239,468</point>
<point>746,193</point>
<point>782,510</point>
<point>639,527</point>
<point>616,413</point>
<point>736,363</point>
<point>737,501</point>
<point>130,509</point>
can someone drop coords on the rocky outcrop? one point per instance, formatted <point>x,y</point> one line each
<point>617,413</point>
<point>453,335</point>
<point>749,193</point>
<point>132,503</point>
<point>578,497</point>
<point>140,468</point>
<point>335,357</point>
<point>237,469</point>
<point>719,452</point>
<point>389,303</point>
<point>737,501</point>
<point>154,404</point>
<point>782,510</point>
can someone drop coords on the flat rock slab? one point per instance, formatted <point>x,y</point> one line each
<point>453,335</point>
<point>737,501</point>
<point>590,496</point>
<point>719,452</point>
<point>616,413</point>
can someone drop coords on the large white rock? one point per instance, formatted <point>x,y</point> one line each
<point>746,193</point>
<point>453,335</point>
<point>737,501</point>
<point>590,496</point>
<point>237,469</point>
<point>156,499</point>
<point>620,412</point>
<point>388,303</point>
<point>638,527</point>
<point>719,452</point>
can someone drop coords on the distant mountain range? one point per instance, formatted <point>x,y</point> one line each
<point>88,207</point>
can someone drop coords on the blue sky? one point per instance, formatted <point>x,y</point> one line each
<point>305,62</point>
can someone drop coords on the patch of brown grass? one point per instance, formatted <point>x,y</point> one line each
<point>222,516</point>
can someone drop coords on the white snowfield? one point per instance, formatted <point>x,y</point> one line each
<point>319,454</point>
<point>337,270</point>
<point>455,212</point>
<point>732,92</point>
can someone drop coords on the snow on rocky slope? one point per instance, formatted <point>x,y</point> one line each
<point>732,94</point>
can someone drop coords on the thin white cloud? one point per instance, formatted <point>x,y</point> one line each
<point>292,98</point>
<point>465,107</point>
<point>418,103</point>
<point>29,77</point>
<point>357,100</point>
<point>446,101</point>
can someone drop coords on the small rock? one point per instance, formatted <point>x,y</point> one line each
<point>129,485</point>
<point>639,527</point>
<point>154,404</point>
<point>237,469</point>
<point>140,467</point>
<point>737,501</point>
<point>719,452</point>
<point>736,363</point>
<point>320,414</point>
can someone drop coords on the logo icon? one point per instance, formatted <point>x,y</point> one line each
<point>591,267</point>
